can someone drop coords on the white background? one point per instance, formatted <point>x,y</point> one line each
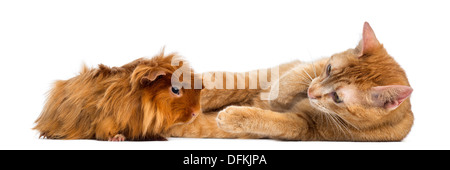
<point>43,41</point>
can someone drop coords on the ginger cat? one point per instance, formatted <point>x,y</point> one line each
<point>361,94</point>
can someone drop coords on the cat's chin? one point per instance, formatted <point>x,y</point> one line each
<point>315,103</point>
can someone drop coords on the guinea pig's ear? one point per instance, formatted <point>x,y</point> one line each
<point>152,76</point>
<point>144,75</point>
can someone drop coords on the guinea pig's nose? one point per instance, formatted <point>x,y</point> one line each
<point>194,114</point>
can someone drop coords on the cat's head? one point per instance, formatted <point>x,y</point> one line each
<point>363,85</point>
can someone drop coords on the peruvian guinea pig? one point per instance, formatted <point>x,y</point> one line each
<point>137,101</point>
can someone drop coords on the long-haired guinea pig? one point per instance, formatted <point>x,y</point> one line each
<point>134,102</point>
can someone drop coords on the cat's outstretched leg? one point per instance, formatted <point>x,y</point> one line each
<point>223,89</point>
<point>266,123</point>
<point>226,88</point>
<point>294,83</point>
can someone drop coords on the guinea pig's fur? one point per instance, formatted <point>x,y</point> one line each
<point>135,101</point>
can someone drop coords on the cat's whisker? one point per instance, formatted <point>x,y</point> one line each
<point>307,74</point>
<point>312,62</point>
<point>335,119</point>
<point>347,122</point>
<point>328,120</point>
<point>333,115</point>
<point>342,123</point>
<point>326,113</point>
<point>337,123</point>
<point>324,116</point>
<point>303,76</point>
<point>304,83</point>
<point>314,68</point>
<point>321,118</point>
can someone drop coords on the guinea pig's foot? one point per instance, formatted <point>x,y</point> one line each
<point>43,136</point>
<point>117,138</point>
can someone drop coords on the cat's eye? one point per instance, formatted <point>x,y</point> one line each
<point>175,90</point>
<point>328,71</point>
<point>336,98</point>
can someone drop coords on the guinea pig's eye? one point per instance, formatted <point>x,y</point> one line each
<point>175,90</point>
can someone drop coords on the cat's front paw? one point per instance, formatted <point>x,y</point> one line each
<point>234,119</point>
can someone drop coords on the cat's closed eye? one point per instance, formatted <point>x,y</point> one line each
<point>336,98</point>
<point>328,71</point>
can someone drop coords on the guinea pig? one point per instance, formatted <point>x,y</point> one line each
<point>137,101</point>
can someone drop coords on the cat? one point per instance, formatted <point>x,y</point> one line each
<point>361,94</point>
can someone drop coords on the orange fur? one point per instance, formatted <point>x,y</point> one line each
<point>134,101</point>
<point>373,103</point>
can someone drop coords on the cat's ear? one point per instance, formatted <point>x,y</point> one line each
<point>369,41</point>
<point>391,96</point>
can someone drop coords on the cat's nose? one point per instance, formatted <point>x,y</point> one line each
<point>312,95</point>
<point>309,94</point>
